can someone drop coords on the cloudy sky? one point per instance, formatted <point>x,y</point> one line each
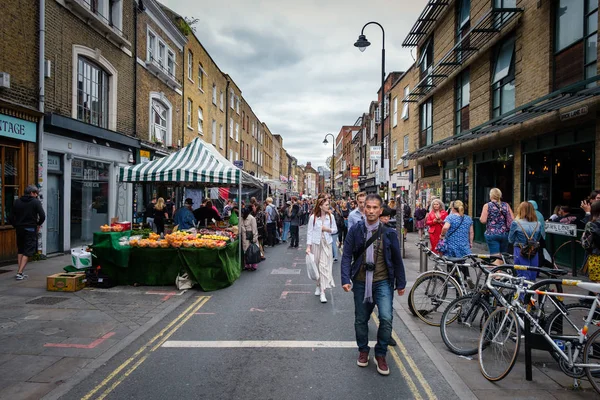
<point>295,62</point>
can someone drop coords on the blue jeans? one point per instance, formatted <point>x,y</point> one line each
<point>497,243</point>
<point>334,245</point>
<point>286,230</point>
<point>383,297</point>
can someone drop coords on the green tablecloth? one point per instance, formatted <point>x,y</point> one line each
<point>212,269</point>
<point>106,249</point>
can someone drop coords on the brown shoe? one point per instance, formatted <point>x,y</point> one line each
<point>363,359</point>
<point>382,366</point>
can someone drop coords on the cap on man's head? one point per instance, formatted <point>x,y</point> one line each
<point>31,189</point>
<point>189,201</point>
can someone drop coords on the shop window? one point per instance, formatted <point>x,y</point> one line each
<point>426,123</point>
<point>9,180</point>
<point>89,199</point>
<point>576,37</point>
<point>456,182</point>
<point>92,93</point>
<point>160,120</point>
<point>462,100</point>
<point>503,78</point>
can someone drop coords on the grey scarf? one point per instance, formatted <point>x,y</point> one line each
<point>370,258</point>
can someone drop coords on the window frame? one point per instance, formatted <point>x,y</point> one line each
<point>237,132</point>
<point>168,61</point>
<point>102,88</point>
<point>405,146</point>
<point>498,86</point>
<point>214,94</point>
<point>395,115</point>
<point>189,120</point>
<point>221,100</point>
<point>201,77</point>
<point>190,65</point>
<point>426,114</point>
<point>221,136</point>
<point>459,100</point>
<point>230,127</point>
<point>200,121</point>
<point>18,165</point>
<point>164,102</point>
<point>405,104</point>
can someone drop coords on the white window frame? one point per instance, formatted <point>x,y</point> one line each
<point>153,52</point>
<point>201,78</point>
<point>395,116</point>
<point>159,96</point>
<point>230,155</point>
<point>237,156</point>
<point>237,132</point>
<point>386,107</point>
<point>221,100</point>
<point>232,99</point>
<point>237,105</point>
<point>214,133</point>
<point>190,66</point>
<point>190,105</point>
<point>395,154</point>
<point>221,136</point>
<point>231,128</point>
<point>406,145</point>
<point>405,104</point>
<point>200,121</point>
<point>113,78</point>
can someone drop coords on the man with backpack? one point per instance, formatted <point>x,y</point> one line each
<point>272,220</point>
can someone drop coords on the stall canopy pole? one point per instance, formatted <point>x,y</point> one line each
<point>239,204</point>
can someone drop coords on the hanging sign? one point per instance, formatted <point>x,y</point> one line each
<point>355,172</point>
<point>375,153</point>
<point>561,229</point>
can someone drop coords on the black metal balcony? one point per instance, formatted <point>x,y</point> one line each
<point>423,27</point>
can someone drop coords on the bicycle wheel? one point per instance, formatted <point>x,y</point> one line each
<point>431,294</point>
<point>461,324</point>
<point>591,355</point>
<point>571,322</point>
<point>499,344</point>
<point>543,306</point>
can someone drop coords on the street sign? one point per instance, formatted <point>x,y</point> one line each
<point>362,177</point>
<point>355,172</point>
<point>375,153</point>
<point>561,229</point>
<point>239,163</point>
<point>382,176</point>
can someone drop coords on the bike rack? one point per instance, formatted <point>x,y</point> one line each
<point>533,341</point>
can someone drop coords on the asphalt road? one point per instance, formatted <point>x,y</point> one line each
<point>265,337</point>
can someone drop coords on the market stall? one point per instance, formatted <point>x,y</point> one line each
<point>212,258</point>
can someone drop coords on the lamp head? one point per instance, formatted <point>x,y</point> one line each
<point>362,43</point>
<point>325,141</point>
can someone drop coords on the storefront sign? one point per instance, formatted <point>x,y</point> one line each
<point>144,156</point>
<point>375,152</point>
<point>355,186</point>
<point>77,169</point>
<point>17,128</point>
<point>561,229</point>
<point>53,163</point>
<point>240,164</point>
<point>355,172</point>
<point>574,113</point>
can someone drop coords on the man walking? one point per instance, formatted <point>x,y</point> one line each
<point>372,260</point>
<point>27,216</point>
<point>294,215</point>
<point>359,213</point>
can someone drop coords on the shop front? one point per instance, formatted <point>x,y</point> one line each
<point>81,162</point>
<point>456,182</point>
<point>18,133</point>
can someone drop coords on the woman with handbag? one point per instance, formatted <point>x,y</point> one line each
<point>590,240</point>
<point>420,222</point>
<point>249,235</point>
<point>435,222</point>
<point>321,225</point>
<point>261,224</point>
<point>457,233</point>
<point>525,233</point>
<point>497,217</point>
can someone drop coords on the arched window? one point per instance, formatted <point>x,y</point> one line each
<point>161,111</point>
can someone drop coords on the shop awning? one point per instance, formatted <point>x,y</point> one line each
<point>198,162</point>
<point>552,102</point>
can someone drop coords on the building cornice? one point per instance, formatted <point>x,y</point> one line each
<point>157,14</point>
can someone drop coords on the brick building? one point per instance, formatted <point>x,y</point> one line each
<point>90,124</point>
<point>251,141</point>
<point>234,118</point>
<point>20,116</point>
<point>507,98</point>
<point>267,150</point>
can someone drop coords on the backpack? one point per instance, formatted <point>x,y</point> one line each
<point>531,247</point>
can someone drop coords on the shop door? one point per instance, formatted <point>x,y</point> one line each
<point>53,214</point>
<point>495,174</point>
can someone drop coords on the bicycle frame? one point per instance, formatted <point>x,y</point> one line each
<point>514,305</point>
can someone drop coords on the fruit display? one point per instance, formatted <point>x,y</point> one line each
<point>105,228</point>
<point>205,239</point>
<point>114,228</point>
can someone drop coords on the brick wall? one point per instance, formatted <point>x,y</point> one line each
<point>480,105</point>
<point>63,30</point>
<point>409,126</point>
<point>19,25</point>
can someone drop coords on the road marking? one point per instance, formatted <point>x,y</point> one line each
<point>285,293</point>
<point>289,283</point>
<point>285,271</point>
<point>257,309</point>
<point>204,313</point>
<point>282,344</point>
<point>163,293</point>
<point>409,360</point>
<point>161,337</point>
<point>92,345</point>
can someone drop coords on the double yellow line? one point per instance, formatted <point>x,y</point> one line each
<point>408,359</point>
<point>122,372</point>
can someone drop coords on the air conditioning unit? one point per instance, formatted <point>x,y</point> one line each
<point>4,80</point>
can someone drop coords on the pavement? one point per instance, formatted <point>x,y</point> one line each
<point>266,336</point>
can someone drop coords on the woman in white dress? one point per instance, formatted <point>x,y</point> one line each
<point>321,226</point>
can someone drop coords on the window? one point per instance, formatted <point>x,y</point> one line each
<point>214,133</point>
<point>109,11</point>
<point>503,79</point>
<point>200,78</point>
<point>231,128</point>
<point>395,154</point>
<point>237,132</point>
<point>405,151</point>
<point>237,105</point>
<point>221,136</point>
<point>92,93</point>
<point>159,53</point>
<point>395,120</point>
<point>190,104</point>
<point>151,46</point>
<point>231,155</point>
<point>463,24</point>
<point>237,157</point>
<point>162,50</point>
<point>231,99</point>
<point>214,94</point>
<point>221,100</point>
<point>9,180</point>
<point>190,65</point>
<point>253,154</point>
<point>160,126</point>
<point>247,151</point>
<point>386,107</point>
<point>253,131</point>
<point>171,63</point>
<point>461,102</point>
<point>372,129</point>
<point>569,26</point>
<point>591,39</point>
<point>426,60</point>
<point>405,104</point>
<point>200,121</point>
<point>243,120</point>
<point>499,19</point>
<point>426,123</point>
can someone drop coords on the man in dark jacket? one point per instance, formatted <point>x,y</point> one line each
<point>27,216</point>
<point>205,214</point>
<point>376,271</point>
<point>293,214</point>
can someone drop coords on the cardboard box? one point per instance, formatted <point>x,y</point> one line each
<point>70,282</point>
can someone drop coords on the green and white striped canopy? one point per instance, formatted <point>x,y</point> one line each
<point>197,162</point>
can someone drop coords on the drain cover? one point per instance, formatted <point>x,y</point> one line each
<point>47,301</point>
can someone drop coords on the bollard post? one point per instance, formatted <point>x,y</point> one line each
<point>423,259</point>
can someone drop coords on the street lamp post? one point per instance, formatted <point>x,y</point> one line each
<point>362,43</point>
<point>332,162</point>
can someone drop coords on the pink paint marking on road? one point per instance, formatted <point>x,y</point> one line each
<point>167,297</point>
<point>204,313</point>
<point>92,345</point>
<point>285,293</point>
<point>289,283</point>
<point>257,309</point>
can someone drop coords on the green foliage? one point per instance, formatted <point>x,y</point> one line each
<point>186,25</point>
<point>144,232</point>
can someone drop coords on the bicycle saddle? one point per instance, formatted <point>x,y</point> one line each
<point>457,260</point>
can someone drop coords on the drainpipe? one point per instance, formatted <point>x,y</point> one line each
<point>227,133</point>
<point>41,108</point>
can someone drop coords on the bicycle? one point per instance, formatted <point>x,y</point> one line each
<point>501,334</point>
<point>462,320</point>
